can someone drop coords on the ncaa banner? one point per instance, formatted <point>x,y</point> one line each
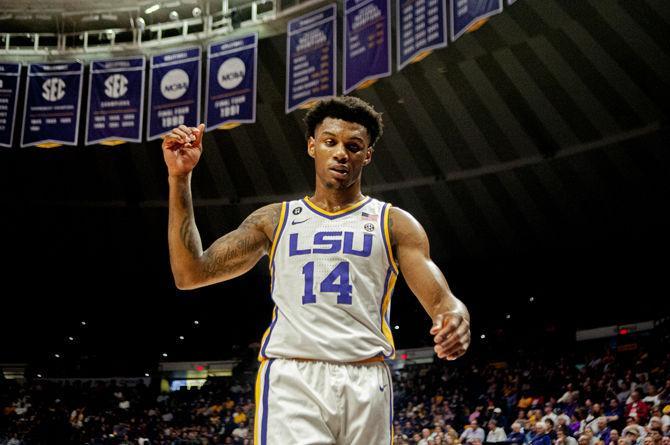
<point>115,101</point>
<point>311,61</point>
<point>421,26</point>
<point>174,91</point>
<point>231,81</point>
<point>10,76</point>
<point>463,13</point>
<point>51,109</point>
<point>367,45</point>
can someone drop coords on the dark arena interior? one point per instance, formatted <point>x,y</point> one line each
<point>533,147</point>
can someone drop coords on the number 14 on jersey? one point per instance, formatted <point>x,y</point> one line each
<point>339,273</point>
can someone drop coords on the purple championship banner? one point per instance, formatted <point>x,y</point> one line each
<point>10,76</point>
<point>115,100</point>
<point>231,81</point>
<point>367,41</point>
<point>463,13</point>
<point>311,64</point>
<point>421,25</point>
<point>51,110</point>
<point>174,91</point>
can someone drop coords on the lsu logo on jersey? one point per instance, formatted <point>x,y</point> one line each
<point>331,242</point>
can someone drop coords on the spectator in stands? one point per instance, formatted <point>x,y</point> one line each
<point>471,432</point>
<point>614,437</point>
<point>636,407</point>
<point>563,437</point>
<point>516,436</point>
<point>550,428</point>
<point>496,433</point>
<point>541,436</point>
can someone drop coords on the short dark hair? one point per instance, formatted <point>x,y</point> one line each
<point>347,108</point>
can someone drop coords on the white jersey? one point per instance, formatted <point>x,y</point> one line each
<point>332,276</point>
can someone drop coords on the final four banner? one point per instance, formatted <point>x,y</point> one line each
<point>464,13</point>
<point>174,91</point>
<point>231,81</point>
<point>10,75</point>
<point>51,111</point>
<point>367,41</point>
<point>421,25</point>
<point>115,100</point>
<point>312,65</point>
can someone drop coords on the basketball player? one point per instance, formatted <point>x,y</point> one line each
<point>334,258</point>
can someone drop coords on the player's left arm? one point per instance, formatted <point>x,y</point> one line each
<point>451,320</point>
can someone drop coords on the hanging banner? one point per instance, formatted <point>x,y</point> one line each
<point>115,101</point>
<point>231,81</point>
<point>421,26</point>
<point>464,13</point>
<point>174,91</point>
<point>311,64</point>
<point>367,45</point>
<point>10,76</point>
<point>51,111</point>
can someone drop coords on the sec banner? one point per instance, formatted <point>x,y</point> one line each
<point>311,61</point>
<point>421,25</point>
<point>231,81</point>
<point>367,45</point>
<point>51,111</point>
<point>174,91</point>
<point>463,13</point>
<point>115,100</point>
<point>10,76</point>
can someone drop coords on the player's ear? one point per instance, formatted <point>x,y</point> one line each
<point>311,142</point>
<point>368,155</point>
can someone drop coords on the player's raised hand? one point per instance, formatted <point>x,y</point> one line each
<point>451,331</point>
<point>182,148</point>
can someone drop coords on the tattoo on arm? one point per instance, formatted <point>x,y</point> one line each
<point>188,237</point>
<point>230,253</point>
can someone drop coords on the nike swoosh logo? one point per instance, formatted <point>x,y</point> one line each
<point>299,222</point>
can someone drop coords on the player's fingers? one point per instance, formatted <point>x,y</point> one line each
<point>437,324</point>
<point>455,355</point>
<point>181,133</point>
<point>449,326</point>
<point>185,129</point>
<point>199,132</point>
<point>458,337</point>
<point>455,350</point>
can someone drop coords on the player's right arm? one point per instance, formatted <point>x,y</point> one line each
<point>228,257</point>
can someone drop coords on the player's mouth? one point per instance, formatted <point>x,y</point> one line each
<point>339,171</point>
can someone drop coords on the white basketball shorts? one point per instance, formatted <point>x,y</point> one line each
<point>301,402</point>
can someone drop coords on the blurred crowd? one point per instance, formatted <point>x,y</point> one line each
<point>603,398</point>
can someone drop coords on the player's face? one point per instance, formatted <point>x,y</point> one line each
<point>340,150</point>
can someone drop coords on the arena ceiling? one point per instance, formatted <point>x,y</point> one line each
<point>534,151</point>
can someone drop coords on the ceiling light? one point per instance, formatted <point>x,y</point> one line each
<point>152,8</point>
<point>174,16</point>
<point>90,18</point>
<point>196,12</point>
<point>110,17</point>
<point>43,17</point>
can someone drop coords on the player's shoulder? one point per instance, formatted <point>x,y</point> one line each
<point>265,218</point>
<point>404,227</point>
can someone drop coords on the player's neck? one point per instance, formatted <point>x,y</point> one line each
<point>333,200</point>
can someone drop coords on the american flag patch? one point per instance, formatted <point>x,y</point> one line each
<point>368,217</point>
